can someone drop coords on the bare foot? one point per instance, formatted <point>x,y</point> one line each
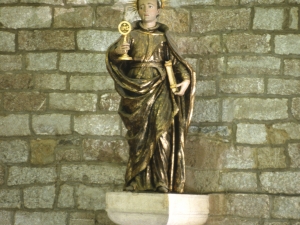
<point>162,189</point>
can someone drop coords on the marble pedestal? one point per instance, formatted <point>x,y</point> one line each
<point>126,208</point>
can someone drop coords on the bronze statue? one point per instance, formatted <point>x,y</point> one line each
<point>155,113</point>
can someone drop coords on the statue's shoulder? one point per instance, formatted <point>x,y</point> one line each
<point>163,27</point>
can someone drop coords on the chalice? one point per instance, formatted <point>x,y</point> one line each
<point>124,28</point>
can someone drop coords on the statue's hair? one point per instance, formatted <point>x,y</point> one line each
<point>135,3</point>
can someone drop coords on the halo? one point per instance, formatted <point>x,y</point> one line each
<point>133,4</point>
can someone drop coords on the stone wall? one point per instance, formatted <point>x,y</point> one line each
<point>62,143</point>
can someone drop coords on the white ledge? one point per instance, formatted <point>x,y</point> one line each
<point>126,208</point>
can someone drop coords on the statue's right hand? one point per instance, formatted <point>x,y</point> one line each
<point>122,49</point>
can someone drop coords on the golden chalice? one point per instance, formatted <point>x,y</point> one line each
<point>124,28</point>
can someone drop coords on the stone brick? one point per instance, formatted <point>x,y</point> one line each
<point>261,1</point>
<point>69,155</point>
<point>253,65</point>
<point>8,1</point>
<point>292,67</point>
<point>251,108</point>
<point>228,2</point>
<point>25,17</point>
<point>206,20</point>
<point>42,151</point>
<point>239,157</point>
<point>108,17</point>
<point>19,175</point>
<point>239,181</point>
<point>216,131</point>
<point>14,125</point>
<point>94,174</point>
<point>16,81</point>
<point>271,158</point>
<point>211,67</point>
<point>280,182</point>
<point>50,81</point>
<point>24,101</point>
<point>109,102</point>
<point>276,223</point>
<point>50,2</point>
<point>268,18</point>
<point>73,101</point>
<point>195,2</point>
<point>96,40</point>
<point>84,2</point>
<point>2,179</point>
<point>177,20</point>
<point>90,198</point>
<point>294,154</point>
<point>206,88</point>
<point>66,197</point>
<point>38,218</point>
<point>5,217</point>
<point>291,129</point>
<point>102,218</point>
<point>217,205</point>
<point>286,207</point>
<point>14,151</point>
<point>227,220</point>
<point>251,133</point>
<point>82,62</point>
<point>242,85</point>
<point>105,124</point>
<point>91,83</point>
<point>10,198</point>
<point>247,43</point>
<point>10,62</point>
<point>82,218</point>
<point>206,110</point>
<point>199,45</point>
<point>73,17</point>
<point>51,124</point>
<point>41,61</point>
<point>293,19</point>
<point>287,44</point>
<point>105,150</point>
<point>46,40</point>
<point>7,42</point>
<point>39,197</point>
<point>248,205</point>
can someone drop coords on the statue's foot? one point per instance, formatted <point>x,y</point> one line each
<point>162,189</point>
<point>129,188</point>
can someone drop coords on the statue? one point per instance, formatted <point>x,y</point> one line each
<point>156,101</point>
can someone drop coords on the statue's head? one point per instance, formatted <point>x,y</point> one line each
<point>158,2</point>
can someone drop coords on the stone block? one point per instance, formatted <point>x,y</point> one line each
<point>50,81</point>
<point>49,2</point>
<point>271,158</point>
<point>14,151</point>
<point>24,101</point>
<point>8,1</point>
<point>16,81</point>
<point>226,220</point>
<point>10,62</point>
<point>96,40</point>
<point>294,154</point>
<point>196,2</point>
<point>94,174</point>
<point>206,88</point>
<point>38,218</point>
<point>276,223</point>
<point>108,17</point>
<point>105,150</point>
<point>10,198</point>
<point>42,151</point>
<point>82,62</point>
<point>41,61</point>
<point>91,83</point>
<point>253,65</point>
<point>268,18</point>
<point>285,207</point>
<point>287,130</point>
<point>104,124</point>
<point>239,157</point>
<point>251,108</point>
<point>90,198</point>
<point>211,67</point>
<point>2,179</point>
<point>25,17</point>
<point>228,2</point>
<point>73,101</point>
<point>216,132</point>
<point>82,218</point>
<point>293,18</point>
<point>39,197</point>
<point>109,102</point>
<point>292,67</point>
<point>5,217</point>
<point>84,2</point>
<point>238,181</point>
<point>14,125</point>
<point>280,182</point>
<point>68,155</point>
<point>66,197</point>
<point>7,42</point>
<point>206,20</point>
<point>261,2</point>
<point>242,85</point>
<point>102,218</point>
<point>73,17</point>
<point>51,124</point>
<point>248,205</point>
<point>217,205</point>
<point>206,110</point>
<point>19,175</point>
<point>287,44</point>
<point>238,43</point>
<point>46,40</point>
<point>251,133</point>
<point>178,20</point>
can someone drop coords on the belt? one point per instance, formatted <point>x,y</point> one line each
<point>147,64</point>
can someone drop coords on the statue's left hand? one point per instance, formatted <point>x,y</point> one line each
<point>183,86</point>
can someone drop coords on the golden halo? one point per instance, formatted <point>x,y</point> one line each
<point>133,4</point>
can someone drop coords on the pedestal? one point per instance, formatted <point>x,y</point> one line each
<point>125,208</point>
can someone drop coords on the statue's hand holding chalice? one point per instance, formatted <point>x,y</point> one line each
<point>122,49</point>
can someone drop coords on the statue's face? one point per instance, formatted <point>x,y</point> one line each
<point>148,10</point>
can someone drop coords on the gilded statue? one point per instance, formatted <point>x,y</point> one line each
<point>157,88</point>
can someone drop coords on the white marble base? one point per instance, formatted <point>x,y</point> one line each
<point>126,208</point>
